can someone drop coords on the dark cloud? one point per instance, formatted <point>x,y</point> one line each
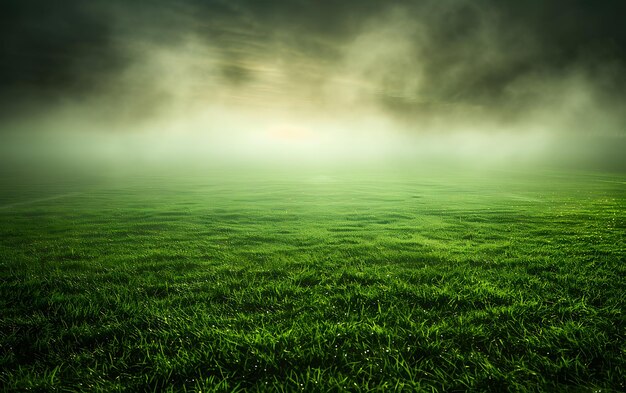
<point>46,45</point>
<point>417,56</point>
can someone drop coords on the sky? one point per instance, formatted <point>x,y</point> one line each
<point>488,82</point>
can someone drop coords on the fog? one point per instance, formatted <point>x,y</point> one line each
<point>303,84</point>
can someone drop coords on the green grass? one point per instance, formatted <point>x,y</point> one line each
<point>315,283</point>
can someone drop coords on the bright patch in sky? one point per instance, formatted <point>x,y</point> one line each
<point>290,133</point>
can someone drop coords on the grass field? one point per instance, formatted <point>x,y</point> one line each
<point>318,282</point>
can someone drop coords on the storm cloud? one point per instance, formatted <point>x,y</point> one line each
<point>550,68</point>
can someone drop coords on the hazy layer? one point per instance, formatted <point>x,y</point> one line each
<point>307,84</point>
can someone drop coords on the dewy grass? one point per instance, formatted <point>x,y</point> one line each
<point>315,284</point>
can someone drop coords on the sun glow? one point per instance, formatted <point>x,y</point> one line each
<point>290,133</point>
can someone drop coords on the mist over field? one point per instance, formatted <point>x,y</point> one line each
<point>197,84</point>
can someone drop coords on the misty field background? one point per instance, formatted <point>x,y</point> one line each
<point>315,282</point>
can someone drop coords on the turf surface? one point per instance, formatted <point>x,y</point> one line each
<point>317,282</point>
